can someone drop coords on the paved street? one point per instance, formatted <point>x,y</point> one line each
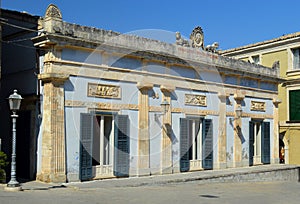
<point>191,192</point>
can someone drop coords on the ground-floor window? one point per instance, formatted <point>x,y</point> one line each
<point>103,140</point>
<point>259,142</point>
<point>104,145</point>
<point>196,144</point>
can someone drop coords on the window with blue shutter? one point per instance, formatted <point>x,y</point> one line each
<point>184,145</point>
<point>207,144</point>
<point>251,142</point>
<point>86,144</point>
<point>265,143</point>
<point>121,153</point>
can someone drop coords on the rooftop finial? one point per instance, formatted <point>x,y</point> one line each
<point>53,12</point>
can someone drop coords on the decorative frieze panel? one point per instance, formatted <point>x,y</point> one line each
<point>104,91</point>
<point>195,100</point>
<point>258,106</point>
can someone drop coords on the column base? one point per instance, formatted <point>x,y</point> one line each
<point>167,170</point>
<point>219,165</point>
<point>143,172</point>
<point>52,178</point>
<point>237,164</point>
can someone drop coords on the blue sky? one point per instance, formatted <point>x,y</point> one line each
<point>232,23</point>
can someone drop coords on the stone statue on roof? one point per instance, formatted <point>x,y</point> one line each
<point>181,41</point>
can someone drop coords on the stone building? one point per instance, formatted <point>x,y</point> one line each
<point>114,105</point>
<point>120,105</point>
<point>280,52</point>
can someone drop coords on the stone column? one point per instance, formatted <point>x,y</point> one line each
<point>237,143</point>
<point>222,133</point>
<point>166,142</point>
<point>275,156</point>
<point>143,166</point>
<point>53,163</point>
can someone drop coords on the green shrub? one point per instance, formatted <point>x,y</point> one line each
<point>3,160</point>
<point>3,164</point>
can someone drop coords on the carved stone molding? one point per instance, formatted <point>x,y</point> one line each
<point>195,100</point>
<point>258,106</point>
<point>103,91</point>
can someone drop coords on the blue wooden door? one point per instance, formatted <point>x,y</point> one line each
<point>121,153</point>
<point>184,145</point>
<point>251,142</point>
<point>207,144</point>
<point>265,143</point>
<point>86,144</point>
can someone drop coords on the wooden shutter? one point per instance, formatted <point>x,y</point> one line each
<point>184,145</point>
<point>294,104</point>
<point>86,144</point>
<point>265,143</point>
<point>207,144</point>
<point>251,142</point>
<point>121,152</point>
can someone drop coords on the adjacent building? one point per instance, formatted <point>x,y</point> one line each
<point>283,53</point>
<point>19,69</point>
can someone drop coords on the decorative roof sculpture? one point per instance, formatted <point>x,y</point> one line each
<point>53,12</point>
<point>197,38</point>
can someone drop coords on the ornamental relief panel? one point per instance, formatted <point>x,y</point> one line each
<point>258,106</point>
<point>195,100</point>
<point>104,91</point>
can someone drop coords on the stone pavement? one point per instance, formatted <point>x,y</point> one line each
<point>244,174</point>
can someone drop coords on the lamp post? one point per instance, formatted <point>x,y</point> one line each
<point>14,105</point>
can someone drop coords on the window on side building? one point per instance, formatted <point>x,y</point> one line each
<point>294,105</point>
<point>296,58</point>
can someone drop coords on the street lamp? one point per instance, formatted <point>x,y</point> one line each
<point>14,105</point>
<point>165,105</point>
<point>238,114</point>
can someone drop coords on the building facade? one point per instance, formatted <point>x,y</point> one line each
<point>280,52</point>
<point>120,105</point>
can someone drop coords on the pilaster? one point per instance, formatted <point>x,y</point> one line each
<point>275,156</point>
<point>237,143</point>
<point>166,143</point>
<point>221,161</point>
<point>143,167</point>
<point>53,164</point>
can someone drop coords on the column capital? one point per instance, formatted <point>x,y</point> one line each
<point>167,88</point>
<point>53,77</point>
<point>239,96</point>
<point>144,85</point>
<point>223,96</point>
<point>276,101</point>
